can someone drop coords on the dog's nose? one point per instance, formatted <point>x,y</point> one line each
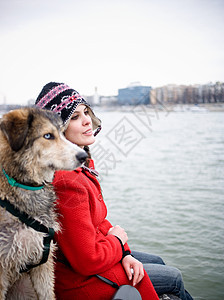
<point>81,156</point>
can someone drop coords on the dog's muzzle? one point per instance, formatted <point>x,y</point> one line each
<point>81,156</point>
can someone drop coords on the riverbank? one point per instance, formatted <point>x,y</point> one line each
<point>200,108</point>
<point>166,107</point>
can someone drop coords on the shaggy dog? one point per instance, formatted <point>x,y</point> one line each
<point>32,147</point>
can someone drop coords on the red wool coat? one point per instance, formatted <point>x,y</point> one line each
<point>84,248</point>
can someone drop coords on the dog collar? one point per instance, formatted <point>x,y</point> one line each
<point>13,182</point>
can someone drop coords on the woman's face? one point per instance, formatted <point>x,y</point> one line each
<point>79,130</point>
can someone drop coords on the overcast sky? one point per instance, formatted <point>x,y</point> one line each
<point>108,44</point>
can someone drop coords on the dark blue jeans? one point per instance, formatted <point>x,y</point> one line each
<point>165,279</point>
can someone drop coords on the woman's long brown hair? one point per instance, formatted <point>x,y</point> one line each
<point>86,148</point>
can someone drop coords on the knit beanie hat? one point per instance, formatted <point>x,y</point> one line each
<point>63,100</point>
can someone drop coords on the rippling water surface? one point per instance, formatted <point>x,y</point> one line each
<point>162,177</point>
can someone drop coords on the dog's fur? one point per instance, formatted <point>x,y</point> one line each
<point>32,147</point>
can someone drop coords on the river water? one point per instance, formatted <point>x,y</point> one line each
<point>162,176</point>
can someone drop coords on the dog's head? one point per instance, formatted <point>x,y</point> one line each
<point>33,141</point>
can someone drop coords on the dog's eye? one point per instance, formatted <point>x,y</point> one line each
<point>49,136</point>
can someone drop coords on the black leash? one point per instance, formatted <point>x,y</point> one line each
<point>36,225</point>
<point>108,281</point>
<point>124,292</point>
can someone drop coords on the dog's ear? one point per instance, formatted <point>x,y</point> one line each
<point>15,126</point>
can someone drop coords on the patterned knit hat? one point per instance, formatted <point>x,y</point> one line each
<point>63,100</point>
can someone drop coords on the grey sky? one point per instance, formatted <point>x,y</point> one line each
<point>108,44</point>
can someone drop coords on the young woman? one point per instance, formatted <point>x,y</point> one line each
<point>88,244</point>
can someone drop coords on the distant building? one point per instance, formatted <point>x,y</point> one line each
<point>108,100</point>
<point>134,94</point>
<point>96,97</point>
<point>188,94</point>
<point>89,99</point>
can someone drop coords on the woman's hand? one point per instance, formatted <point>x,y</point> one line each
<point>129,263</point>
<point>119,232</point>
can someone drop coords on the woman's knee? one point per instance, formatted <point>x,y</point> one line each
<point>176,277</point>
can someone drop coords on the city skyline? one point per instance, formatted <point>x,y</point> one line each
<point>136,94</point>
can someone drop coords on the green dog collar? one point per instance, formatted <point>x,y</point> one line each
<point>13,182</point>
